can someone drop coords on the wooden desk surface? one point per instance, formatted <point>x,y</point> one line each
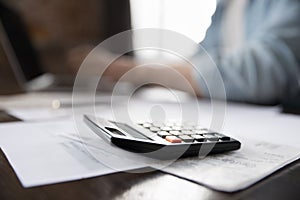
<point>284,184</point>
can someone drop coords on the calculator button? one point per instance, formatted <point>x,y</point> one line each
<point>187,132</point>
<point>200,131</point>
<point>200,128</point>
<point>225,138</point>
<point>210,137</point>
<point>147,125</point>
<point>173,139</point>
<point>186,138</point>
<point>198,138</point>
<point>222,137</point>
<point>175,132</point>
<point>163,134</point>
<point>166,128</point>
<point>140,123</point>
<point>158,124</point>
<point>187,128</point>
<point>154,129</point>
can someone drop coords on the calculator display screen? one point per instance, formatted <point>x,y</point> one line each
<point>5,117</point>
<point>131,131</point>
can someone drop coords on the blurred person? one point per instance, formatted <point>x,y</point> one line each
<point>254,43</point>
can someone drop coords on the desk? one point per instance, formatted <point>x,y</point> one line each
<point>284,184</point>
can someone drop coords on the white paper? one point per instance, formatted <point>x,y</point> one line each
<point>237,170</point>
<point>26,145</point>
<point>33,100</point>
<point>262,123</point>
<point>50,152</point>
<point>40,106</point>
<point>37,114</point>
<point>279,138</point>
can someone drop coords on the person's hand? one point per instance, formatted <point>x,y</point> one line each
<point>166,76</point>
<point>97,62</point>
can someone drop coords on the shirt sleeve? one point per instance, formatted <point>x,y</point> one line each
<point>266,67</point>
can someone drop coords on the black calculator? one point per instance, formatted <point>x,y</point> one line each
<point>162,140</point>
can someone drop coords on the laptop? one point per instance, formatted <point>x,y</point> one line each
<point>24,61</point>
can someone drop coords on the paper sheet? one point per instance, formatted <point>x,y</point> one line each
<point>237,170</point>
<point>50,152</point>
<point>277,143</point>
<point>37,114</point>
<point>26,144</point>
<point>39,106</point>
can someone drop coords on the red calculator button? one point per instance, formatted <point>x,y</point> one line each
<point>173,139</point>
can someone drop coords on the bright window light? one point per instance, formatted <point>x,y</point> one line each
<point>188,17</point>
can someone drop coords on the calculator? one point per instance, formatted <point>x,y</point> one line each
<point>162,140</point>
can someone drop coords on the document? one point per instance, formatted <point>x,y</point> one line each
<point>51,152</point>
<point>49,106</point>
<point>236,170</point>
<point>45,152</point>
<point>38,114</point>
<point>270,140</point>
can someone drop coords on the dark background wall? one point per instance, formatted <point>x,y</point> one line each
<point>56,26</point>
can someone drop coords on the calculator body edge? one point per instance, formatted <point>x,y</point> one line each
<point>163,150</point>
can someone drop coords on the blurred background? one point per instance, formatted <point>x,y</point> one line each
<point>56,27</point>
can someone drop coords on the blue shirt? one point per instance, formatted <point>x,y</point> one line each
<point>266,68</point>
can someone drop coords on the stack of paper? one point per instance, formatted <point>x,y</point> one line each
<point>53,151</point>
<point>234,171</point>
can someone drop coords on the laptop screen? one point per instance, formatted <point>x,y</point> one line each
<point>17,45</point>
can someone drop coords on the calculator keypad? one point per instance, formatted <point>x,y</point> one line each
<point>173,139</point>
<point>187,133</point>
